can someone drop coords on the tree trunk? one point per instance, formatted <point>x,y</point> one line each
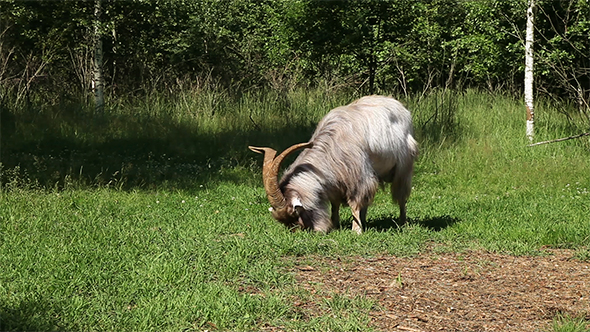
<point>97,77</point>
<point>528,72</point>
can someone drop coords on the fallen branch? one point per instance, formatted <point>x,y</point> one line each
<point>560,139</point>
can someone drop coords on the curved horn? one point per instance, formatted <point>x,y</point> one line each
<point>270,172</point>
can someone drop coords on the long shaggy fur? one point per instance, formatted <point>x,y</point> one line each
<point>355,147</point>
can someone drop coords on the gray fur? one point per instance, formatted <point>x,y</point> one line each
<point>355,148</point>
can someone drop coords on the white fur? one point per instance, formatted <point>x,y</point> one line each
<point>355,147</point>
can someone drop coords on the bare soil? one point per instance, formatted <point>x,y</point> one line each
<point>474,291</point>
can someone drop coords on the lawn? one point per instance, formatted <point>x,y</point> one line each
<point>160,221</point>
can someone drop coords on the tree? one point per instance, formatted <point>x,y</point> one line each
<point>528,73</point>
<point>97,77</point>
<point>371,46</point>
<point>563,65</point>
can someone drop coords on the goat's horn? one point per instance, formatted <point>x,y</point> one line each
<point>270,172</point>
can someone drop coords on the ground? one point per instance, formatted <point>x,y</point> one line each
<point>473,291</point>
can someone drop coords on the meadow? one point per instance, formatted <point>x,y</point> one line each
<point>152,216</point>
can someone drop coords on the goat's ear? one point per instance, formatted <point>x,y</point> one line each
<point>295,206</point>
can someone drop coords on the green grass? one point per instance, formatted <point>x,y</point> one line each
<point>564,323</point>
<point>114,235</point>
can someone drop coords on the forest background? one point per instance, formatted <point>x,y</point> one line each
<point>397,47</point>
<point>215,53</point>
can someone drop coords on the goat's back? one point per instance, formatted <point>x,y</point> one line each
<point>373,128</point>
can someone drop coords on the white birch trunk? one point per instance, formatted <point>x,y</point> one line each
<point>97,78</point>
<point>528,72</point>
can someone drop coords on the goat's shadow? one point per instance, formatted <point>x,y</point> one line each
<point>388,222</point>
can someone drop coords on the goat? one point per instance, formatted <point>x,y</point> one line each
<point>353,149</point>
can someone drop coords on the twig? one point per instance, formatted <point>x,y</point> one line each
<point>560,139</point>
<point>403,328</point>
<point>254,122</point>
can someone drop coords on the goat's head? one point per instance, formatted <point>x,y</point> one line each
<point>286,210</point>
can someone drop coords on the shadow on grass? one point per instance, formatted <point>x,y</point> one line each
<point>436,224</point>
<point>69,146</point>
<point>28,316</point>
<point>127,152</point>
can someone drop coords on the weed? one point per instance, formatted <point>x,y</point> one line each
<point>566,323</point>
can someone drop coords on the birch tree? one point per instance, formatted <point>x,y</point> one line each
<point>97,77</point>
<point>528,72</point>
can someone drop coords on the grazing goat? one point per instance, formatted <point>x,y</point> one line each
<point>353,149</point>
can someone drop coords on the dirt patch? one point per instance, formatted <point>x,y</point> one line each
<point>475,291</point>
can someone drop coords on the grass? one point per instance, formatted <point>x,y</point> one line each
<point>158,221</point>
<point>564,323</point>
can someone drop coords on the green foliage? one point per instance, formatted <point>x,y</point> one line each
<point>564,28</point>
<point>370,46</point>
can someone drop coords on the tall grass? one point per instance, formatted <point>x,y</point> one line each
<point>152,216</point>
<point>177,134</point>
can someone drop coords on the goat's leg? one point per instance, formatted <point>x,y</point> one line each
<point>402,212</point>
<point>357,225</point>
<point>359,216</point>
<point>400,191</point>
<point>335,215</point>
<point>364,215</point>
